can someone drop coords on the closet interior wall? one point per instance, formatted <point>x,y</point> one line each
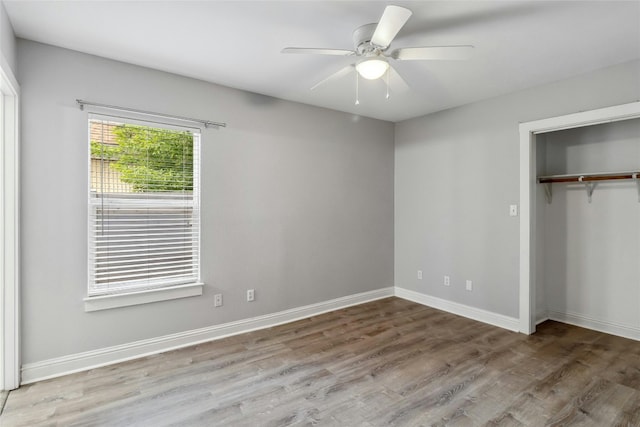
<point>588,268</point>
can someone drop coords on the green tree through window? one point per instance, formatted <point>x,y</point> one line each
<point>150,159</point>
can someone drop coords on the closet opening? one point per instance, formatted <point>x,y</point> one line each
<point>580,222</point>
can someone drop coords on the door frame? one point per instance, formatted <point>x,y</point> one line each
<point>9,230</point>
<point>528,188</point>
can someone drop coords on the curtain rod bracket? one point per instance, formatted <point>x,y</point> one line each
<point>636,178</point>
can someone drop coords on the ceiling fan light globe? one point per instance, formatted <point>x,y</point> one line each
<point>372,68</point>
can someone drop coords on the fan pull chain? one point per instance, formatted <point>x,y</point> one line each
<point>357,88</point>
<point>388,70</point>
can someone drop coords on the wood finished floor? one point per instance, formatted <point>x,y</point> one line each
<point>385,363</point>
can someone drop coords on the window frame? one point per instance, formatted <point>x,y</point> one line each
<point>140,295</point>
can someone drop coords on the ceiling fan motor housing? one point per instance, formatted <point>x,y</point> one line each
<point>362,40</point>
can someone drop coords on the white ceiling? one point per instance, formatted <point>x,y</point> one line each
<point>518,44</point>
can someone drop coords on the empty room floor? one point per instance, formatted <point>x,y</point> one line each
<point>389,362</point>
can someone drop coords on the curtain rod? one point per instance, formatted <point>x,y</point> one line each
<point>206,123</point>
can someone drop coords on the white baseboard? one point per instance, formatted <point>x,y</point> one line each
<point>506,322</point>
<point>626,331</point>
<point>542,317</point>
<point>38,371</point>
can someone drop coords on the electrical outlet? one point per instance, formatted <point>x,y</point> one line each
<point>217,300</point>
<point>469,285</point>
<point>420,274</point>
<point>250,295</point>
<point>447,281</point>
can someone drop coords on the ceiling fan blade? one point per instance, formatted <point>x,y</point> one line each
<point>340,73</point>
<point>392,20</point>
<point>397,83</point>
<point>318,51</point>
<point>432,53</point>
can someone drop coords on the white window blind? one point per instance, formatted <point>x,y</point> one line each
<point>144,212</point>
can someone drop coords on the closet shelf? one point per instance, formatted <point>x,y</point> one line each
<point>590,181</point>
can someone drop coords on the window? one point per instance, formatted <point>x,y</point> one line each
<point>144,213</point>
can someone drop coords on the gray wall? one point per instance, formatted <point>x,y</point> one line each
<point>456,173</point>
<point>7,39</point>
<point>592,250</point>
<point>297,202</point>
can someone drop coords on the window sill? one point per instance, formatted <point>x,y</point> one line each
<point>106,302</point>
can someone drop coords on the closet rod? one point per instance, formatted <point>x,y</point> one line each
<point>206,123</point>
<point>588,177</point>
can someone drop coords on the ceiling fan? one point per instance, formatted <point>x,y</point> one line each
<point>372,43</point>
